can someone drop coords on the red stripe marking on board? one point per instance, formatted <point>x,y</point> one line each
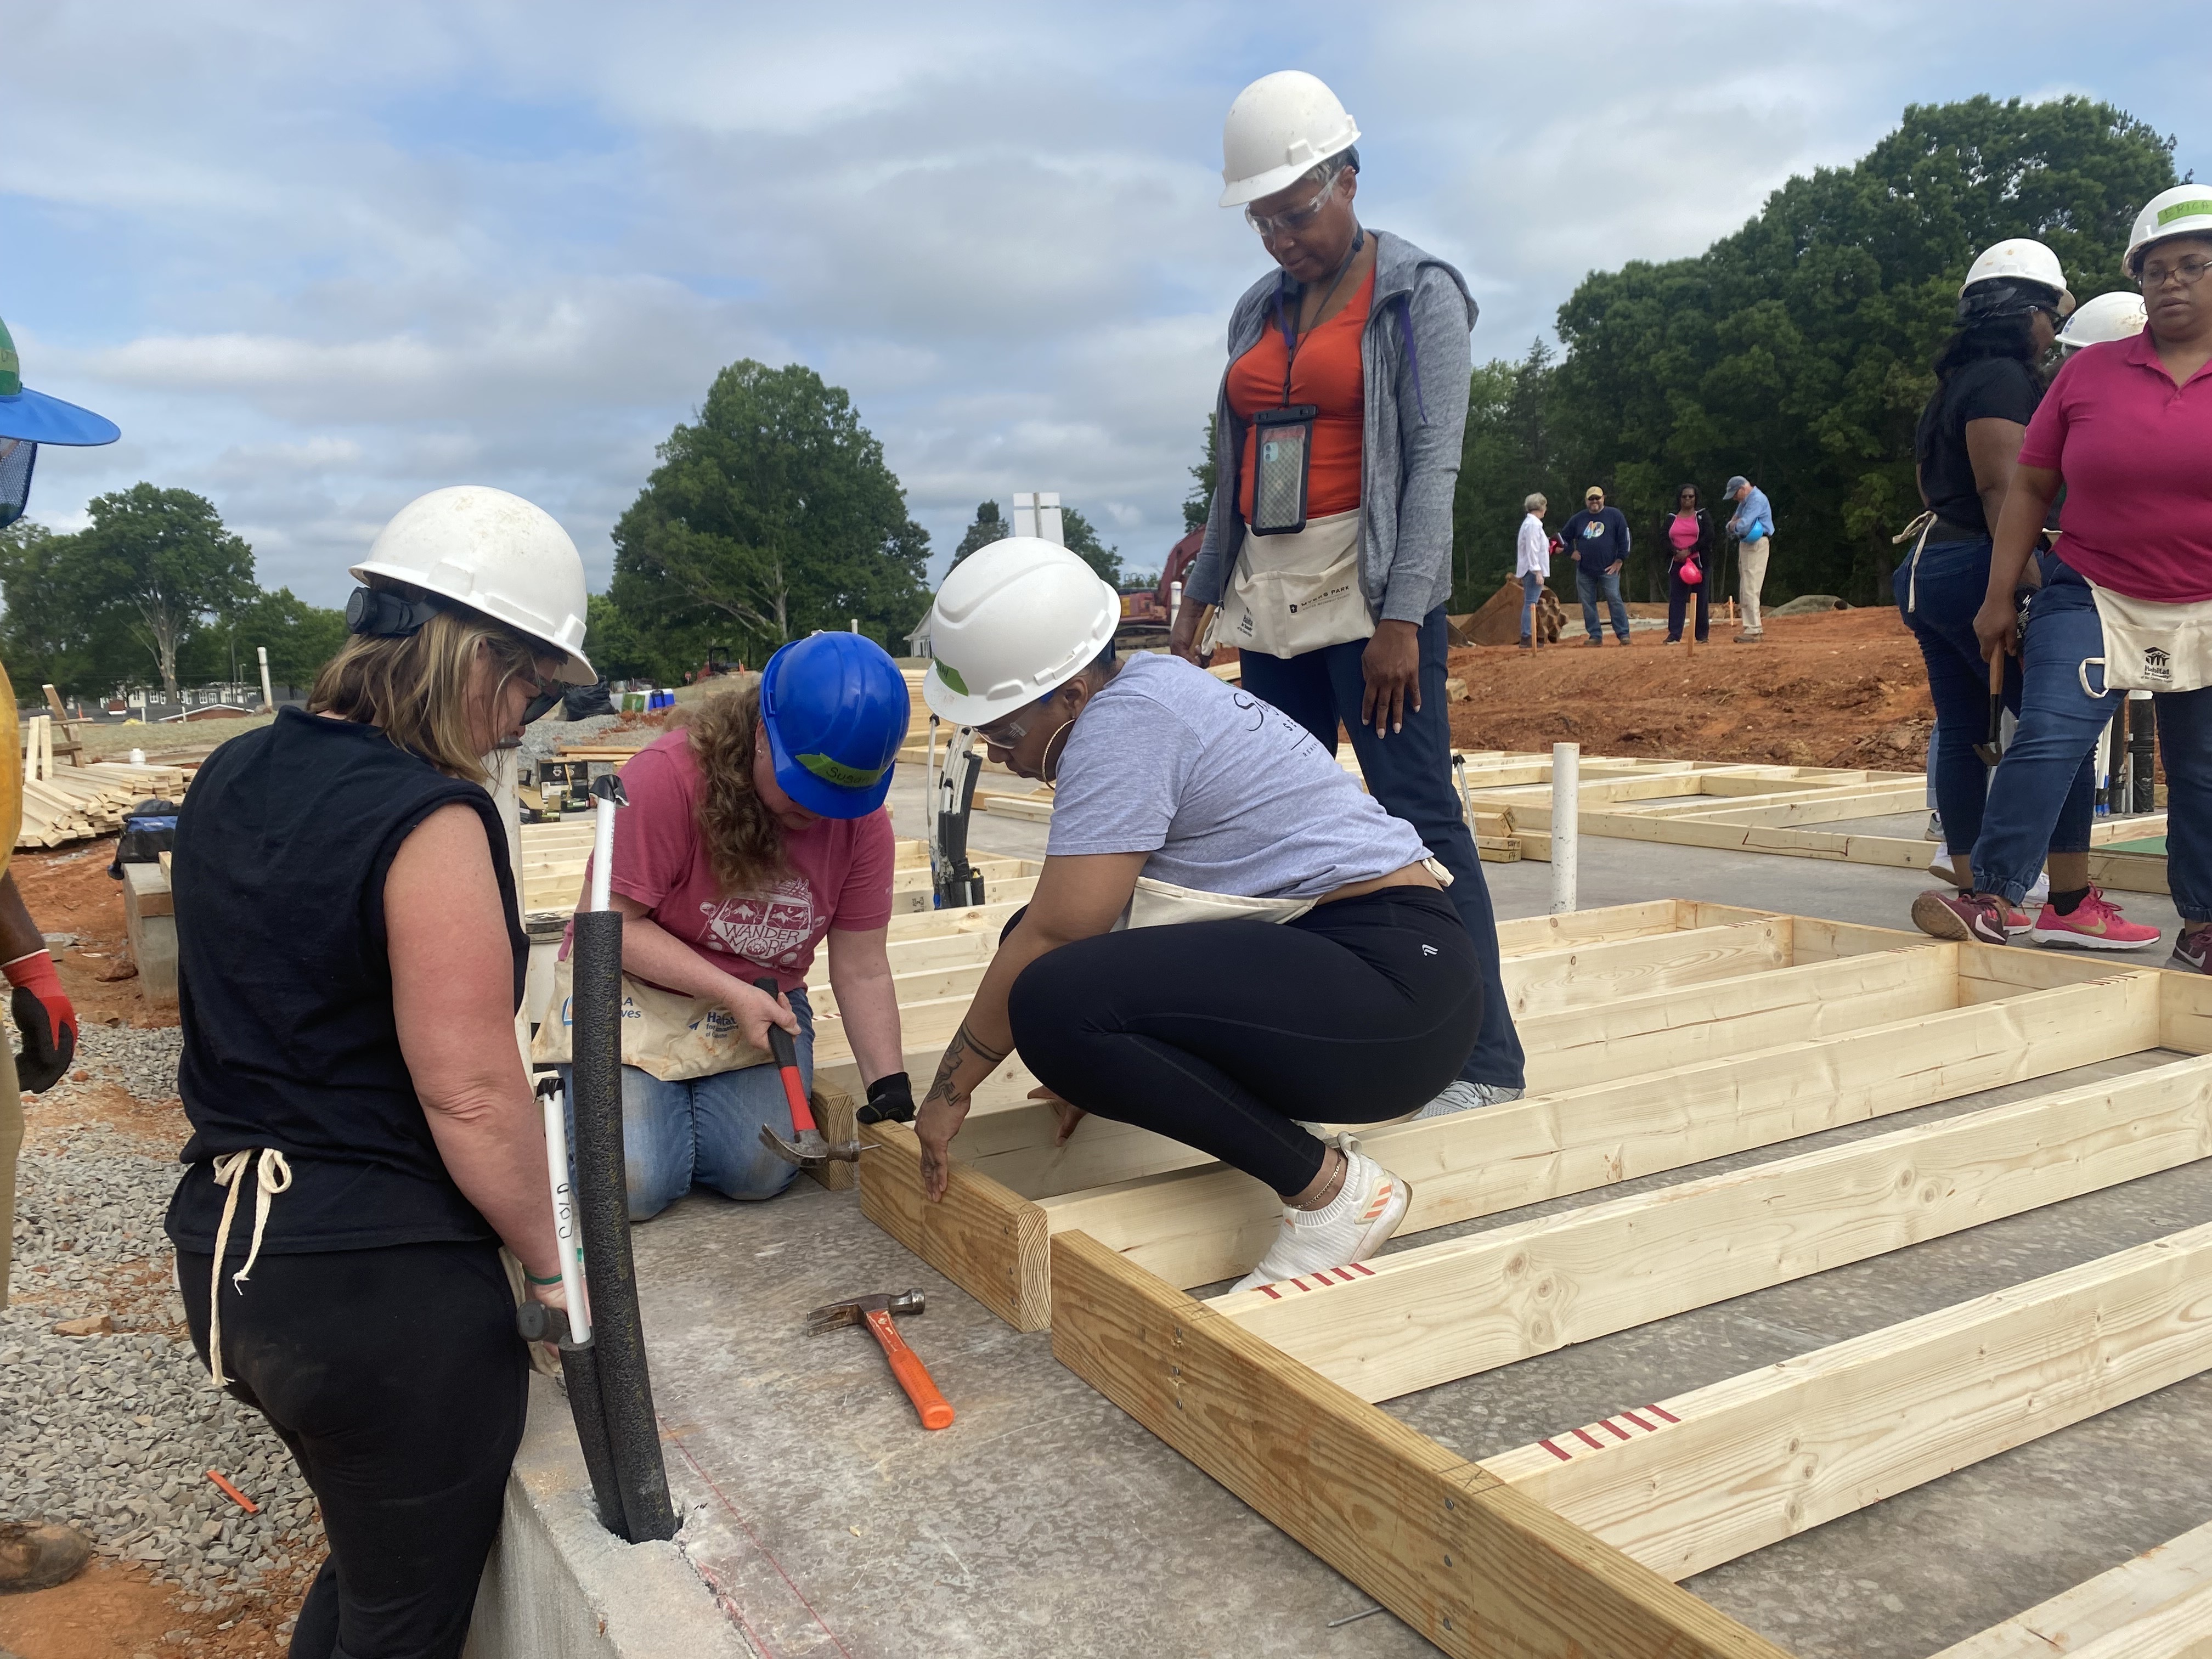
<point>1565,1457</point>
<point>1616,1429</point>
<point>1363,1268</point>
<point>1271,1292</point>
<point>1639,1422</point>
<point>1661,1411</point>
<point>1588,1439</point>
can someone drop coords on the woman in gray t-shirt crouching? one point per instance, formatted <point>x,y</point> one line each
<point>1311,968</point>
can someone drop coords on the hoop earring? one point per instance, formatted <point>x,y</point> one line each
<point>1048,771</point>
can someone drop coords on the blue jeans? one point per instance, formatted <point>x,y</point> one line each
<point>2060,722</point>
<point>1410,774</point>
<point>705,1130</point>
<point>1589,588</point>
<point>1532,586</point>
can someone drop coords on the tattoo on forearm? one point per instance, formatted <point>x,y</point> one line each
<point>963,1044</point>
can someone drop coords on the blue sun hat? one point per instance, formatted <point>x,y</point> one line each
<point>42,420</point>
<point>835,708</point>
<point>28,419</point>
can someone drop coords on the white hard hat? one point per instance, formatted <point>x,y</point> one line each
<point>1013,622</point>
<point>1280,126</point>
<point>493,552</point>
<point>2118,315</point>
<point>2024,260</point>
<point>2185,211</point>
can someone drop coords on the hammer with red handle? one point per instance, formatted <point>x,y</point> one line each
<point>808,1148</point>
<point>875,1312</point>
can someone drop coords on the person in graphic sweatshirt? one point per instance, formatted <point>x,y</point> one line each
<point>1598,542</point>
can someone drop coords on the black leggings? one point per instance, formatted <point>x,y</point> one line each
<point>1222,1033</point>
<point>397,1378</point>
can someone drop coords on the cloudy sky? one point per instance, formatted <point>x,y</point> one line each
<point>316,259</point>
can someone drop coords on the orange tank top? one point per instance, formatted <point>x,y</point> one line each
<point>1325,374</point>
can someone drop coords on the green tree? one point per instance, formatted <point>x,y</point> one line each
<point>1796,351</point>
<point>1200,502</point>
<point>162,558</point>
<point>987,526</point>
<point>1083,541</point>
<point>771,515</point>
<point>298,637</point>
<point>1510,451</point>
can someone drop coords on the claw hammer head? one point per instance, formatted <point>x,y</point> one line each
<point>830,1317</point>
<point>809,1149</point>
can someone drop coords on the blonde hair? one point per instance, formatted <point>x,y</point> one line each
<point>415,687</point>
<point>744,843</point>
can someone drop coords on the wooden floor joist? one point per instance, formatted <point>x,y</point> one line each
<point>2158,1606</point>
<point>1437,1312</point>
<point>1687,1483</point>
<point>1659,1035</point>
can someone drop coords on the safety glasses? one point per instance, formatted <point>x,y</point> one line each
<point>541,699</point>
<point>2187,274</point>
<point>1294,220</point>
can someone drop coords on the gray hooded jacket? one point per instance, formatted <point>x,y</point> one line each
<point>1415,363</point>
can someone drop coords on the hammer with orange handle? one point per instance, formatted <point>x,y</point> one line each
<point>875,1312</point>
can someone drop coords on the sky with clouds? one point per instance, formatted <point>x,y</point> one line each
<point>316,260</point>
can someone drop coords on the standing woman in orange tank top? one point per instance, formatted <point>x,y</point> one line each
<point>1327,557</point>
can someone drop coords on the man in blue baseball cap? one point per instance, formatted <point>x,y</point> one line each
<point>755,831</point>
<point>31,1557</point>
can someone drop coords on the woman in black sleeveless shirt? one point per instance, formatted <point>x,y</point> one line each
<point>363,1134</point>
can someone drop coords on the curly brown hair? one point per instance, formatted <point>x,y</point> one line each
<point>744,843</point>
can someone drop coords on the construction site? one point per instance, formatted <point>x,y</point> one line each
<point>1522,1001</point>
<point>1833,1290</point>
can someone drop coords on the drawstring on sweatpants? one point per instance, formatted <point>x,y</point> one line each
<point>272,1176</point>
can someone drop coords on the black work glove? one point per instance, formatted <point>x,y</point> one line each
<point>891,1100</point>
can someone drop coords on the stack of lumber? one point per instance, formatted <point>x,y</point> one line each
<point>77,803</point>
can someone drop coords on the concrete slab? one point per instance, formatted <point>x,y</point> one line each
<point>1046,1523</point>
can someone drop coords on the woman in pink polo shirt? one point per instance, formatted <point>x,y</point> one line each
<point>754,831</point>
<point>2127,429</point>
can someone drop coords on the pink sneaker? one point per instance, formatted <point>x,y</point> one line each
<point>2017,920</point>
<point>2095,925</point>
<point>1966,916</point>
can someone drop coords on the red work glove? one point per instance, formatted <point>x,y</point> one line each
<point>45,1020</point>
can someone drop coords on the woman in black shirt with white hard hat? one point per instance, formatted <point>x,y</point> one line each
<point>363,1134</point>
<point>1987,387</point>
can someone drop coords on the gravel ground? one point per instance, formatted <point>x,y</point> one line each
<point>543,740</point>
<point>115,1433</point>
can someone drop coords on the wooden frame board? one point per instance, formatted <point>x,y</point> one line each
<point>1569,1547</point>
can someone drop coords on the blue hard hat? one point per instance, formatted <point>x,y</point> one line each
<point>835,708</point>
<point>25,414</point>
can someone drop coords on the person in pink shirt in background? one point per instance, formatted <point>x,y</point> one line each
<point>2127,429</point>
<point>755,832</point>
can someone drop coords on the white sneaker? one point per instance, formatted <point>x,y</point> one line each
<point>1351,1227</point>
<point>1464,1097</point>
<point>2037,895</point>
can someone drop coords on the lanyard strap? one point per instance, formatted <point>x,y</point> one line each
<point>1291,337</point>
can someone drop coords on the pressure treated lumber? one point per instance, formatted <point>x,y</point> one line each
<point>1437,1312</point>
<point>2125,1602</point>
<point>1463,1558</point>
<point>1197,1226</point>
<point>1713,1474</point>
<point>998,1239</point>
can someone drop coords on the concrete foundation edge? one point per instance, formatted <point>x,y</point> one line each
<point>559,1586</point>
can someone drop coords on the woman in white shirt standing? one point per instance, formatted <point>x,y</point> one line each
<point>1532,563</point>
<point>1314,970</point>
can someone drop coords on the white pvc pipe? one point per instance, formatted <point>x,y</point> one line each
<point>564,1218</point>
<point>1567,809</point>
<point>1174,602</point>
<point>268,693</point>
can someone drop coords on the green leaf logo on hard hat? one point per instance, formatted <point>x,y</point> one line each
<point>950,677</point>
<point>837,772</point>
<point>11,366</point>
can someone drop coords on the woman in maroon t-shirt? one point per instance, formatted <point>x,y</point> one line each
<point>723,877</point>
